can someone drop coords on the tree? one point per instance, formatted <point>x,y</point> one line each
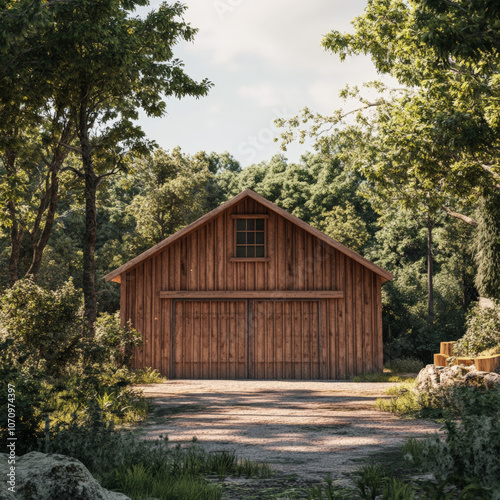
<point>172,193</point>
<point>106,65</point>
<point>445,107</point>
<point>487,246</point>
<point>435,139</point>
<point>346,226</point>
<point>33,131</point>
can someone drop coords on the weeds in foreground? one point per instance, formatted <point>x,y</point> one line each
<point>141,482</point>
<point>146,376</point>
<point>148,469</point>
<point>329,491</point>
<point>369,481</point>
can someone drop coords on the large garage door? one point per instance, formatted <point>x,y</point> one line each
<point>259,339</point>
<point>284,340</point>
<point>210,340</point>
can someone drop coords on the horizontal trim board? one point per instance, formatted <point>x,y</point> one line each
<point>261,295</point>
<point>249,259</point>
<point>249,216</point>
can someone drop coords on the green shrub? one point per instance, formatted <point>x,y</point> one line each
<point>45,325</point>
<point>117,344</point>
<point>405,365</point>
<point>398,489</point>
<point>483,331</point>
<point>447,402</point>
<point>31,399</point>
<point>469,457</point>
<point>329,491</point>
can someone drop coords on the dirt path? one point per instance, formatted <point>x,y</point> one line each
<point>306,428</point>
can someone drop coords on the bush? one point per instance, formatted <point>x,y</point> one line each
<point>117,343</point>
<point>471,450</point>
<point>405,365</point>
<point>31,400</point>
<point>447,402</point>
<point>483,331</point>
<point>45,325</point>
<point>55,367</point>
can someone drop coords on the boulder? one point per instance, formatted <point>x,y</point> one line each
<point>41,476</point>
<point>428,379</point>
<point>492,380</point>
<point>432,377</point>
<point>456,374</point>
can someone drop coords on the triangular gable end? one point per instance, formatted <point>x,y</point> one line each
<point>116,274</point>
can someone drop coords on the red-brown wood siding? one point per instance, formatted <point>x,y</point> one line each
<point>327,338</point>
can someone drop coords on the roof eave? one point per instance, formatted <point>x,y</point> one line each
<point>116,274</point>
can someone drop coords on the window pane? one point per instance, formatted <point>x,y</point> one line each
<point>259,251</point>
<point>259,224</point>
<point>240,224</point>
<point>259,238</point>
<point>250,238</point>
<point>240,252</point>
<point>250,251</point>
<point>250,224</point>
<point>240,238</point>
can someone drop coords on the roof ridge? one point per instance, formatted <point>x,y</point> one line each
<point>229,203</point>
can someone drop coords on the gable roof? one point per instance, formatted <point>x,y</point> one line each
<point>116,274</point>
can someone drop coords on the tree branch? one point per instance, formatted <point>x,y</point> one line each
<point>462,217</point>
<point>74,170</point>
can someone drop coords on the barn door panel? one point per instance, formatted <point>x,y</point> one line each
<point>284,340</point>
<point>209,340</point>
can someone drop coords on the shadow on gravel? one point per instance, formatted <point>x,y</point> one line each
<point>316,430</point>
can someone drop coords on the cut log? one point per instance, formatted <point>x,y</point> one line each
<point>464,361</point>
<point>487,363</point>
<point>440,359</point>
<point>447,348</point>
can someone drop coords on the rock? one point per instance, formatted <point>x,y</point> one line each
<point>428,379</point>
<point>451,375</point>
<point>474,378</point>
<point>431,378</point>
<point>492,380</point>
<point>48,477</point>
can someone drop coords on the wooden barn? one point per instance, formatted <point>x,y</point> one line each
<point>249,291</point>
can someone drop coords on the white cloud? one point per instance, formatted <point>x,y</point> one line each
<point>267,95</point>
<point>261,56</point>
<point>282,32</point>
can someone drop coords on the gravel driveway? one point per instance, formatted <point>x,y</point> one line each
<point>306,428</point>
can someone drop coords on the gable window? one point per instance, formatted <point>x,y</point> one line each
<point>250,237</point>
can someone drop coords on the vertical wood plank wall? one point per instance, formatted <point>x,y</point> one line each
<point>349,329</point>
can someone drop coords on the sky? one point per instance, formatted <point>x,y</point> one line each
<point>266,61</point>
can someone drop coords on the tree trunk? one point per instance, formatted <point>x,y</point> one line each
<point>38,246</point>
<point>89,239</point>
<point>16,237</point>
<point>430,272</point>
<point>16,230</point>
<point>49,205</point>
<point>90,236</point>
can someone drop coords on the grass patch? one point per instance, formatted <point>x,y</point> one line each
<point>380,377</point>
<point>147,376</point>
<point>143,469</point>
<point>140,482</point>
